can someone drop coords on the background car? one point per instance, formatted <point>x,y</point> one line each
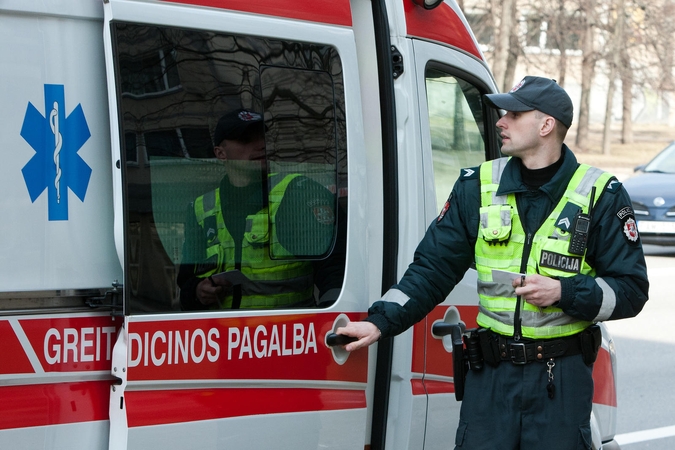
<point>652,192</point>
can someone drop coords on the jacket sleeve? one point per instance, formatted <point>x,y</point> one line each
<point>620,286</point>
<point>306,225</point>
<point>442,258</point>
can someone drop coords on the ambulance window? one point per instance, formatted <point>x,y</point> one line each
<point>457,128</point>
<point>265,223</point>
<point>149,72</point>
<point>131,148</point>
<point>300,120</point>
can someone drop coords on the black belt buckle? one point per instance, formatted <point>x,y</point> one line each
<point>518,353</point>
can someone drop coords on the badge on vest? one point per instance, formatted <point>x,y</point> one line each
<point>557,261</point>
<point>566,217</point>
<point>211,230</point>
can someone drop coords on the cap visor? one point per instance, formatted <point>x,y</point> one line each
<point>507,102</point>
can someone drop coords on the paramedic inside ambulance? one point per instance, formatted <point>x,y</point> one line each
<point>253,241</point>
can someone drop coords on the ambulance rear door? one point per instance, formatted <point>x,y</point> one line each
<point>57,254</point>
<point>236,378</point>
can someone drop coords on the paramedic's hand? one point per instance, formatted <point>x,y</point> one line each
<point>366,332</point>
<point>208,292</point>
<point>538,290</point>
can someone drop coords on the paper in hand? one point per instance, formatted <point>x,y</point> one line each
<point>233,277</point>
<point>505,277</point>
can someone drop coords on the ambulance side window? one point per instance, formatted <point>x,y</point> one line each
<point>187,215</point>
<point>457,125</point>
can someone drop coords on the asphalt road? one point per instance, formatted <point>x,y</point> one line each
<point>646,362</point>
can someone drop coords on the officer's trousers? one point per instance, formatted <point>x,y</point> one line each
<point>508,407</point>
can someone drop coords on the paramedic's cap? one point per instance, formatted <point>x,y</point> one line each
<point>538,93</point>
<point>233,125</point>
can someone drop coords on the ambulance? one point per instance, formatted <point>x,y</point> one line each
<point>107,113</point>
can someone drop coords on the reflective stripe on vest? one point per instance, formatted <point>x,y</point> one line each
<point>273,282</point>
<point>500,245</point>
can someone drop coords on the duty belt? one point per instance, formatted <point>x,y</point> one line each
<point>528,350</point>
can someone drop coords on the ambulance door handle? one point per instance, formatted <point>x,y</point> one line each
<point>456,330</point>
<point>333,339</point>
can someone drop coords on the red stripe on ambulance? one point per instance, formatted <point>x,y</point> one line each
<point>441,24</point>
<point>12,355</point>
<point>208,404</point>
<point>335,12</point>
<point>53,404</point>
<point>603,376</point>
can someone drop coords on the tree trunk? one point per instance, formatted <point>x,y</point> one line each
<point>614,59</point>
<point>560,31</point>
<point>606,132</point>
<point>627,100</point>
<point>514,51</point>
<point>502,36</point>
<point>587,73</point>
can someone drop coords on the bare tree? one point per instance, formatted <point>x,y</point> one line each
<point>627,98</point>
<point>560,38</point>
<point>562,30</point>
<point>659,29</point>
<point>514,49</point>
<point>503,16</point>
<point>589,58</point>
<point>543,35</point>
<point>613,59</point>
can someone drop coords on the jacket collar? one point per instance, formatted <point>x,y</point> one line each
<point>511,182</point>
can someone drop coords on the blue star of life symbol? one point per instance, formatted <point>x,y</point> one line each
<point>56,139</point>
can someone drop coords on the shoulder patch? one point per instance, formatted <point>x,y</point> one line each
<point>628,224</point>
<point>445,209</point>
<point>613,185</point>
<point>469,173</point>
<point>323,212</point>
<point>625,211</point>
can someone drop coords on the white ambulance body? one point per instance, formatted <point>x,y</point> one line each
<point>106,118</point>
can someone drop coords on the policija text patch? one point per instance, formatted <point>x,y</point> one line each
<point>565,263</point>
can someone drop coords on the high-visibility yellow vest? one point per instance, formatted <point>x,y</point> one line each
<point>501,245</point>
<point>273,282</point>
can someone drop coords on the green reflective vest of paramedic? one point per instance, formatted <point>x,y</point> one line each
<point>503,245</point>
<point>272,282</point>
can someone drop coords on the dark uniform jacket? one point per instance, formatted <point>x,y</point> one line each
<point>447,251</point>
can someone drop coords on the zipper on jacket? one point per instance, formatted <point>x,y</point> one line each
<point>517,330</point>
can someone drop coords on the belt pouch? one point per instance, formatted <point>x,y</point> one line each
<point>473,350</point>
<point>590,340</point>
<point>489,346</point>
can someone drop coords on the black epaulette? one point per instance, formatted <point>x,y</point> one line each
<point>471,173</point>
<point>613,185</point>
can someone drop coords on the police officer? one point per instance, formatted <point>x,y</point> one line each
<point>258,230</point>
<point>556,250</point>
